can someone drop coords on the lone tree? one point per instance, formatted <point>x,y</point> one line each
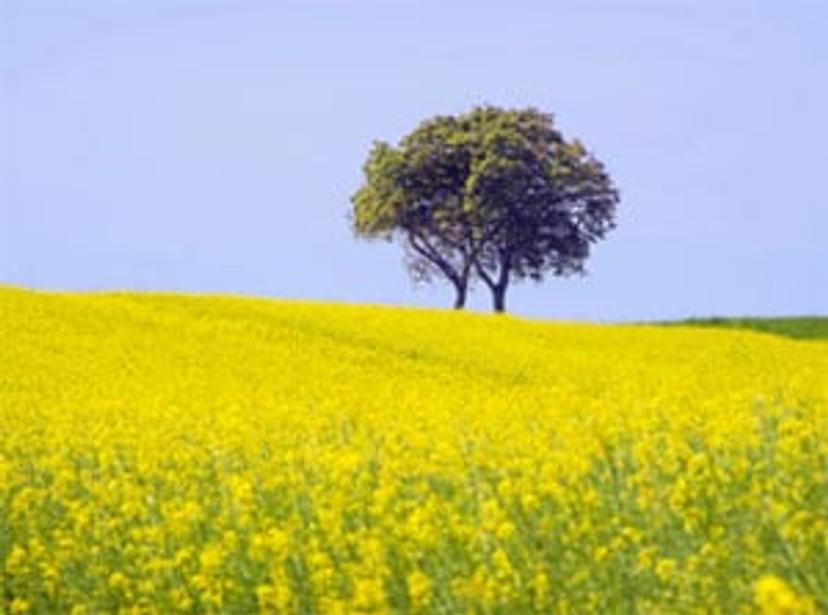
<point>493,195</point>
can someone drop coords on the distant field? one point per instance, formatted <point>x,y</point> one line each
<point>801,327</point>
<point>209,454</point>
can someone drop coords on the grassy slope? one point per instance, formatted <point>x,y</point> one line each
<point>798,327</point>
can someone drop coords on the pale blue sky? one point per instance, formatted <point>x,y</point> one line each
<point>213,145</point>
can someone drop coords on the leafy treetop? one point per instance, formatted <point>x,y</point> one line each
<point>493,195</point>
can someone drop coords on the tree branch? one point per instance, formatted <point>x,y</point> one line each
<point>427,251</point>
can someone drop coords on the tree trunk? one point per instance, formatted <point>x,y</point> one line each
<point>460,297</point>
<point>499,298</point>
<point>499,288</point>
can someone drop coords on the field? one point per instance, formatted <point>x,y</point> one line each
<point>163,453</point>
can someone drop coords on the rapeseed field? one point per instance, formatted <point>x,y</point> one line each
<point>163,453</point>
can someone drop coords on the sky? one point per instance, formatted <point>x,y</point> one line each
<point>213,146</point>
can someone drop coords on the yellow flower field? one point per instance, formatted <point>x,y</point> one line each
<point>217,455</point>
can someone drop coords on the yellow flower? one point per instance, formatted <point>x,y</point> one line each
<point>646,558</point>
<point>665,569</point>
<point>502,564</point>
<point>540,588</point>
<point>181,599</point>
<point>368,594</point>
<point>419,589</point>
<point>504,530</point>
<point>16,559</point>
<point>774,597</point>
<point>273,597</point>
<point>210,559</point>
<point>117,581</point>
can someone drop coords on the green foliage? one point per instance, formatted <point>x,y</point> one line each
<point>493,195</point>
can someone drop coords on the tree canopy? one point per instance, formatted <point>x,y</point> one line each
<point>495,195</point>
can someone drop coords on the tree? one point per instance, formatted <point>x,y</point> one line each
<point>492,195</point>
